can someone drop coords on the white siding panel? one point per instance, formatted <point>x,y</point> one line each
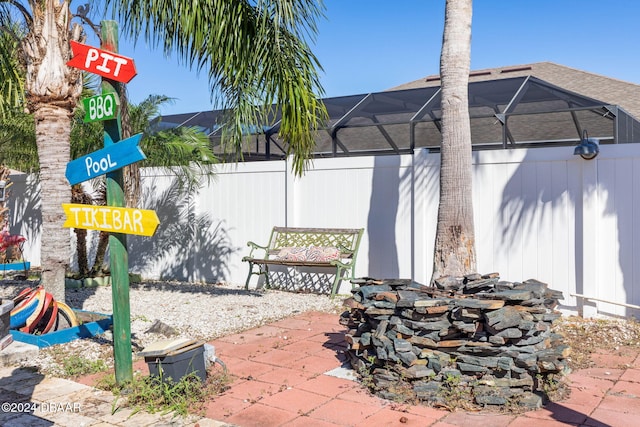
<point>543,244</point>
<point>634,275</point>
<point>562,230</point>
<point>608,280</point>
<point>484,208</point>
<point>513,235</point>
<point>527,217</point>
<point>244,206</point>
<point>502,241</point>
<point>622,271</point>
<point>426,187</point>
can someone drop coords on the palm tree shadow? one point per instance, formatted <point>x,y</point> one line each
<point>564,414</point>
<point>185,246</point>
<point>381,221</point>
<point>24,206</point>
<point>521,208</point>
<point>421,184</point>
<point>530,202</point>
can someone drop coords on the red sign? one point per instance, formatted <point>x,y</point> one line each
<point>102,62</point>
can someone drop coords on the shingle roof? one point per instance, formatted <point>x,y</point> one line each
<point>607,89</point>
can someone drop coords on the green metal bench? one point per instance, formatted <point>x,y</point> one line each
<point>336,248</point>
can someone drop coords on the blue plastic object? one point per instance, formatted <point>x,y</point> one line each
<point>19,318</point>
<point>92,324</point>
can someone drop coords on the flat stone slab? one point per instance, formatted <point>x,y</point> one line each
<point>486,304</point>
<point>16,352</point>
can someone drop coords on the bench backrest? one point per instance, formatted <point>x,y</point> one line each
<point>341,238</point>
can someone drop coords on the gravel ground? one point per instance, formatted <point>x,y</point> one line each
<point>201,311</point>
<point>208,311</point>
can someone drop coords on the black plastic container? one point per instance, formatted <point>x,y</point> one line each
<point>179,365</point>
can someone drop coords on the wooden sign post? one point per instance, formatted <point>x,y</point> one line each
<point>119,258</point>
<point>113,218</point>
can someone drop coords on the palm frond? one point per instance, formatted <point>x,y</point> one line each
<point>11,70</point>
<point>255,53</point>
<point>186,151</point>
<point>17,141</point>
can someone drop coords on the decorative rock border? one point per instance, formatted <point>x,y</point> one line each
<point>477,336</point>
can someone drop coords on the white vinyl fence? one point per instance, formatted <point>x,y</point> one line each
<point>540,213</point>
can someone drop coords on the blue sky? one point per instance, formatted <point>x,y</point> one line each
<point>372,45</point>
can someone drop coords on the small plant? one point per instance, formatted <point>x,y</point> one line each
<point>552,386</point>
<point>403,392</point>
<point>75,366</point>
<point>152,394</point>
<point>451,380</point>
<point>366,377</point>
<point>455,393</point>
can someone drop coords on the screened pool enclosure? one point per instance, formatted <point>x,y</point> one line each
<point>505,114</point>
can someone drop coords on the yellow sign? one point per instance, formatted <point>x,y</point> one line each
<point>111,219</point>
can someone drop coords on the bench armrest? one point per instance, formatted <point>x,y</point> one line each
<point>340,263</point>
<point>345,250</point>
<point>254,247</point>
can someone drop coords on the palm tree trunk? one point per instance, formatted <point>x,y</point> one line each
<point>81,251</point>
<point>53,127</point>
<point>78,195</point>
<point>131,173</point>
<point>454,253</point>
<point>101,251</point>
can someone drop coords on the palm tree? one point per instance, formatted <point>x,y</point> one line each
<point>186,151</point>
<point>11,81</point>
<point>454,250</point>
<point>51,93</point>
<point>255,55</point>
<point>17,141</point>
<point>254,52</point>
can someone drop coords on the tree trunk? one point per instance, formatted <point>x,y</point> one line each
<point>101,251</point>
<point>454,252</point>
<point>81,251</point>
<point>131,173</point>
<point>103,238</point>
<point>53,128</point>
<point>52,90</point>
<point>78,195</point>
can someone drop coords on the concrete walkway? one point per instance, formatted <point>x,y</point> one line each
<point>289,373</point>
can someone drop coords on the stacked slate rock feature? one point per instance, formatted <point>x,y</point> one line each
<point>492,339</point>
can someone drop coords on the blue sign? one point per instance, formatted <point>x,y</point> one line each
<point>110,158</point>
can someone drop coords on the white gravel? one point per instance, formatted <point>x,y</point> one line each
<point>201,311</point>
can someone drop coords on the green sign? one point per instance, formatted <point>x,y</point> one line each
<point>101,107</point>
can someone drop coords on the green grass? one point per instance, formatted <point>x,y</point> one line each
<point>152,394</point>
<point>75,366</point>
